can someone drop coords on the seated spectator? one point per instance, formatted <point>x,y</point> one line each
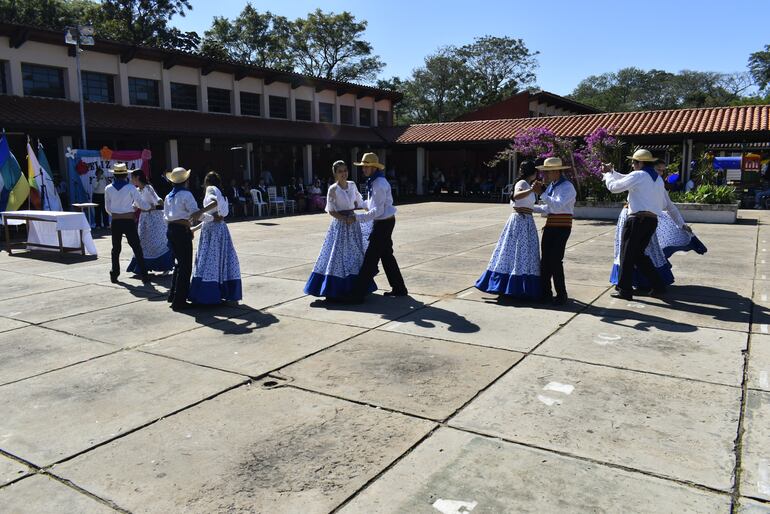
<point>296,192</point>
<point>437,181</point>
<point>246,195</point>
<point>317,196</point>
<point>234,196</point>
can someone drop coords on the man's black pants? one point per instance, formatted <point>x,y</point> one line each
<point>127,227</point>
<point>637,232</point>
<point>380,249</point>
<point>180,239</point>
<point>552,247</point>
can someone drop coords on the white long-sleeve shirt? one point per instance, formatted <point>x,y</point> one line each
<point>644,194</point>
<point>180,206</point>
<point>223,207</point>
<point>123,201</point>
<point>338,199</point>
<point>379,203</point>
<point>149,196</point>
<point>560,201</point>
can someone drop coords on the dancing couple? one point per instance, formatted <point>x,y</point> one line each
<point>355,243</point>
<point>516,268</point>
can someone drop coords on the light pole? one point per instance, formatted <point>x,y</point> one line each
<point>80,35</point>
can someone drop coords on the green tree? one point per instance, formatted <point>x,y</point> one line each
<point>260,39</point>
<point>146,22</point>
<point>330,46</point>
<point>759,67</point>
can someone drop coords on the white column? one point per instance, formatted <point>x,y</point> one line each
<point>165,88</point>
<point>16,84</point>
<point>123,96</point>
<point>249,164</point>
<point>172,152</point>
<point>71,76</point>
<point>62,143</point>
<point>203,96</point>
<point>420,169</point>
<point>307,163</point>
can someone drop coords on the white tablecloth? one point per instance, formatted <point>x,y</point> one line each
<point>45,232</point>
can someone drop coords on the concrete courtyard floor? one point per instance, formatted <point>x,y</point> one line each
<point>445,401</point>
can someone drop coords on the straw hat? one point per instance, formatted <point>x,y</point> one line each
<point>642,155</point>
<point>370,160</point>
<point>178,175</point>
<point>121,169</point>
<point>552,164</point>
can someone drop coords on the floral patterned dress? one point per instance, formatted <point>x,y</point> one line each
<point>152,236</point>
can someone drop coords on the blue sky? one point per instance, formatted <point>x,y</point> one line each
<point>575,38</point>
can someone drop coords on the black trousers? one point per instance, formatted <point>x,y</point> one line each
<point>552,246</point>
<point>180,239</point>
<point>127,227</point>
<point>380,249</point>
<point>100,214</point>
<point>637,233</point>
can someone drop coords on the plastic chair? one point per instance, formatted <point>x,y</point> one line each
<point>290,204</point>
<point>506,192</point>
<point>257,202</point>
<point>275,202</point>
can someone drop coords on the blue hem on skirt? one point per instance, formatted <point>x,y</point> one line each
<point>331,286</point>
<point>163,263</point>
<point>213,293</point>
<point>695,245</point>
<point>639,280</point>
<point>519,286</point>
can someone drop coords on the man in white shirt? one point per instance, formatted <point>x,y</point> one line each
<point>120,198</point>
<point>179,209</point>
<point>380,209</point>
<point>646,200</point>
<point>558,201</point>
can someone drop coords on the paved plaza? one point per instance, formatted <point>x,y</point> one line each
<point>445,401</point>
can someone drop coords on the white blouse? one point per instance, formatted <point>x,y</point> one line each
<point>214,194</point>
<point>338,199</point>
<point>526,202</point>
<point>150,197</point>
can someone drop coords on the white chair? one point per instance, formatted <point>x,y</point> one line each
<point>290,204</point>
<point>275,202</point>
<point>506,192</point>
<point>256,202</point>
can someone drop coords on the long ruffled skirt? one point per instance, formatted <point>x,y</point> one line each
<point>152,237</point>
<point>653,251</point>
<point>217,273</point>
<point>340,260</point>
<point>514,269</point>
<point>674,239</point>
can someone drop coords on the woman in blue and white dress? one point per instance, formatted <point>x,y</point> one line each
<point>514,269</point>
<point>342,252</point>
<point>217,273</point>
<point>677,237</point>
<point>653,251</point>
<point>152,230</point>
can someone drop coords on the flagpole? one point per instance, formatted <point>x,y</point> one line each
<point>29,195</point>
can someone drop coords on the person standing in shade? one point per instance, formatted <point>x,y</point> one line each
<point>120,198</point>
<point>646,201</point>
<point>179,210</point>
<point>558,202</point>
<point>100,212</point>
<point>380,209</point>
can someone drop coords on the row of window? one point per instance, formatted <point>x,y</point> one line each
<point>99,87</point>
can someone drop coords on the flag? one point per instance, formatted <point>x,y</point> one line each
<point>15,186</point>
<point>33,168</point>
<point>51,200</point>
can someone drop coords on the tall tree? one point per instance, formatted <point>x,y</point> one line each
<point>759,66</point>
<point>330,45</point>
<point>260,39</point>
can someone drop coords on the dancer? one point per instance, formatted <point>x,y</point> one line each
<point>514,269</point>
<point>673,234</point>
<point>152,229</point>
<point>217,275</point>
<point>646,200</point>
<point>342,252</point>
<point>381,210</point>
<point>559,205</point>
<point>120,197</point>
<point>179,209</point>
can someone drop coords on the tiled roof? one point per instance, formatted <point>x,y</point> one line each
<point>31,114</point>
<point>677,122</point>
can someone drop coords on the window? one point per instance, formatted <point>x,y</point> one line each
<point>251,104</point>
<point>346,115</point>
<point>383,118</point>
<point>98,87</point>
<point>325,112</point>
<point>302,110</point>
<point>278,107</point>
<point>42,81</point>
<point>3,83</point>
<point>143,92</point>
<point>365,117</point>
<point>219,100</point>
<point>184,96</point>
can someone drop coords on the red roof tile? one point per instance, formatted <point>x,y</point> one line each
<point>678,122</point>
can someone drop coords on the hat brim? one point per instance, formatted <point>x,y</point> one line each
<point>179,179</point>
<point>632,158</point>
<point>122,172</point>
<point>552,168</point>
<point>370,165</point>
